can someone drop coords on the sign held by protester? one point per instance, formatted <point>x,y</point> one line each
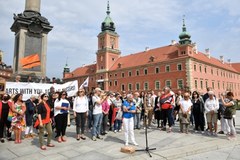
<point>28,89</point>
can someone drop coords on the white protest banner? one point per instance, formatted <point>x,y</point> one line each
<point>71,88</point>
<point>28,89</point>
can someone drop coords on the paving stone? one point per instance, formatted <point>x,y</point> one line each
<point>92,155</point>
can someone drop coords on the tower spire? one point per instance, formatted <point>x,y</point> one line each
<point>108,9</point>
<point>184,29</point>
<point>184,36</point>
<point>108,24</point>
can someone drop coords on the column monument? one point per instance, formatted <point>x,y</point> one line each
<point>31,30</point>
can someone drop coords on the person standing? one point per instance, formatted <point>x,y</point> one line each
<point>18,119</point>
<point>5,108</point>
<point>44,121</point>
<point>61,109</point>
<point>117,110</point>
<point>138,103</point>
<point>158,111</point>
<point>228,114</point>
<point>166,101</point>
<point>142,97</point>
<point>97,113</point>
<point>105,110</point>
<point>198,111</point>
<point>148,110</point>
<point>185,111</point>
<point>129,110</point>
<point>211,107</point>
<point>80,108</point>
<point>30,110</point>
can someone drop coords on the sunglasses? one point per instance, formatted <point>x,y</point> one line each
<point>46,96</point>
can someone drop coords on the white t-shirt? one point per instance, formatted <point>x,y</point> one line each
<point>211,104</point>
<point>186,105</point>
<point>97,108</point>
<point>80,104</point>
<point>62,102</point>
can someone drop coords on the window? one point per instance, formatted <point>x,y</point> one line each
<point>113,59</point>
<point>183,52</point>
<point>217,72</point>
<point>129,86</point>
<point>110,83</point>
<point>200,68</point>
<point>157,85</point>
<point>213,84</point>
<point>179,67</point>
<point>137,86</point>
<point>137,72</point>
<point>196,84</point>
<point>115,74</point>
<point>115,83</point>
<point>145,71</point>
<point>123,87</point>
<point>218,85</point>
<point>205,69</point>
<point>167,68</point>
<point>157,70</point>
<point>201,84</point>
<point>195,67</point>
<point>110,75</point>
<point>211,71</point>
<point>146,86</point>
<point>129,73</point>
<point>101,67</point>
<point>206,82</point>
<point>168,83</point>
<point>123,74</point>
<point>180,84</point>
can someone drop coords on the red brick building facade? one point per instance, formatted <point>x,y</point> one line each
<point>178,65</point>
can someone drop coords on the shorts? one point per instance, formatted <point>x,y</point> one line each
<point>212,118</point>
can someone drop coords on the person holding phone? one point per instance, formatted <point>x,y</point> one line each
<point>61,109</point>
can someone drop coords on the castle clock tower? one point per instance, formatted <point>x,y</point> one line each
<point>108,50</point>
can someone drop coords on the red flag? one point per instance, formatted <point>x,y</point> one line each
<point>30,61</point>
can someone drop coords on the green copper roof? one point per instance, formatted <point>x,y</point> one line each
<point>184,36</point>
<point>108,24</point>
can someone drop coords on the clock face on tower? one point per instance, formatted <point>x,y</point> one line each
<point>112,41</point>
<point>101,43</point>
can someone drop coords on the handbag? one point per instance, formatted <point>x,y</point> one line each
<point>119,115</point>
<point>10,115</point>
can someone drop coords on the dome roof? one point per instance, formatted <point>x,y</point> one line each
<point>108,24</point>
<point>184,36</point>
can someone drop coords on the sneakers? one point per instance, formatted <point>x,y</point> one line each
<point>126,144</point>
<point>214,134</point>
<point>119,130</point>
<point>115,131</point>
<point>94,138</point>
<point>135,143</point>
<point>98,137</point>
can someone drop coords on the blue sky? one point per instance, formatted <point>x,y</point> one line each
<point>213,24</point>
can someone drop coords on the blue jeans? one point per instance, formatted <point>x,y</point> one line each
<point>117,124</point>
<point>97,121</point>
<point>137,117</point>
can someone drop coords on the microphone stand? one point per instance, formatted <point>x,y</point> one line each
<point>147,149</point>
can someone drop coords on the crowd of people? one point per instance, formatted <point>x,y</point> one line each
<point>102,111</point>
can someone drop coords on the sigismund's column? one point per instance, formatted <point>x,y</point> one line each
<point>31,30</point>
